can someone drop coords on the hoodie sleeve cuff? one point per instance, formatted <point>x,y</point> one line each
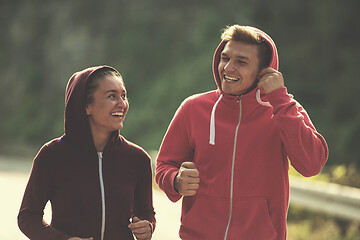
<point>172,193</point>
<point>278,96</point>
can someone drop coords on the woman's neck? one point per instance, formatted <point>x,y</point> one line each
<point>100,141</point>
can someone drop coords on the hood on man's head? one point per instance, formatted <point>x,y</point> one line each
<point>76,123</point>
<point>274,63</point>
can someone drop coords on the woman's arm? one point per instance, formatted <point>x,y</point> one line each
<point>37,194</point>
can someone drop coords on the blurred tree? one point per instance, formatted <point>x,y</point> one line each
<point>319,51</point>
<point>164,50</point>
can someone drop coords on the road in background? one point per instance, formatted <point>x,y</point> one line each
<point>14,174</point>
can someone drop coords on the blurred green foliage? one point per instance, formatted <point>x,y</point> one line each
<point>164,50</point>
<point>341,174</point>
<point>306,224</point>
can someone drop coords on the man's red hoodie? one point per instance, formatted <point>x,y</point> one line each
<point>241,147</point>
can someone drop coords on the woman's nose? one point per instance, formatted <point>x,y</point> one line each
<point>122,102</point>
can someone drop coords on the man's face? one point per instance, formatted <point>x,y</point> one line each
<point>238,67</point>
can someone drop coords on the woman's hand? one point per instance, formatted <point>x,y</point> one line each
<point>141,228</point>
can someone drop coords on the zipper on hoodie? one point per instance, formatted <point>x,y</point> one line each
<point>232,170</point>
<point>100,155</point>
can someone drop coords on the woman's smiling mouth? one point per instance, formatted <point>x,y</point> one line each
<point>117,114</point>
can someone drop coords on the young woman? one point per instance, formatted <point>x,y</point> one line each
<point>99,184</point>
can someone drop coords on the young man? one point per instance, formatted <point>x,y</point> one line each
<point>227,151</point>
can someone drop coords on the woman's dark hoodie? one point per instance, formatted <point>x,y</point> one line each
<point>67,172</point>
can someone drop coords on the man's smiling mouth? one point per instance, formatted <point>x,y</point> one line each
<point>231,79</point>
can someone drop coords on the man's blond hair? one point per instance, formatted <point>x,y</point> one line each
<point>248,35</point>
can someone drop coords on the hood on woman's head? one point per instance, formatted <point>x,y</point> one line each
<point>76,123</point>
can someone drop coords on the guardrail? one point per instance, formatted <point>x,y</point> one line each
<point>334,199</point>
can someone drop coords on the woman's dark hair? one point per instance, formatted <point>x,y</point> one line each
<point>93,82</point>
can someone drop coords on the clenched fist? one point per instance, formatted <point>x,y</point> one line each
<point>270,80</point>
<point>141,228</point>
<point>187,180</point>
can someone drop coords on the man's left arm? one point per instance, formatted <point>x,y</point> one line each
<point>305,147</point>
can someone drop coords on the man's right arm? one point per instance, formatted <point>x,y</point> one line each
<point>174,151</point>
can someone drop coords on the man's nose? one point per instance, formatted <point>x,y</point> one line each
<point>229,66</point>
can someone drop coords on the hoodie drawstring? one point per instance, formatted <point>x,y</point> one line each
<point>267,104</point>
<point>212,119</point>
<point>212,122</point>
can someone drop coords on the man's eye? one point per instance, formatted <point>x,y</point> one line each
<point>111,96</point>
<point>225,59</point>
<point>241,62</point>
<point>124,96</point>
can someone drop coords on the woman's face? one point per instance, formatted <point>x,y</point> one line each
<point>107,111</point>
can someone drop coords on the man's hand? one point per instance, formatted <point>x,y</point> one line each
<point>187,180</point>
<point>270,80</point>
<point>141,228</point>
